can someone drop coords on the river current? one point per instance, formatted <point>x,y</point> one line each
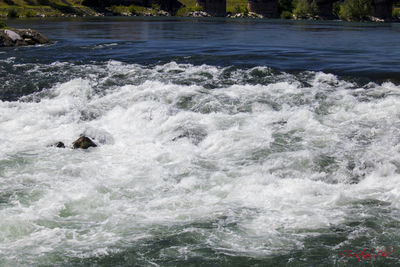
<point>221,143</point>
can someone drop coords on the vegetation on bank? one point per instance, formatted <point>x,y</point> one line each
<point>355,10</point>
<point>232,7</point>
<point>396,12</point>
<point>289,9</point>
<point>56,8</point>
<point>133,10</point>
<point>349,10</point>
<point>304,10</point>
<point>2,24</point>
<point>41,8</point>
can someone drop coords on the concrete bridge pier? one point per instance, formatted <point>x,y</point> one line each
<point>382,8</point>
<point>215,8</point>
<point>325,8</point>
<point>267,8</point>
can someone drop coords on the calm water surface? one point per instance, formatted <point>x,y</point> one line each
<point>221,143</point>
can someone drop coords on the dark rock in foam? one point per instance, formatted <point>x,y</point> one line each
<point>59,145</point>
<point>195,134</point>
<point>83,142</point>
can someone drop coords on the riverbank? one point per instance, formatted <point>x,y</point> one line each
<point>188,8</point>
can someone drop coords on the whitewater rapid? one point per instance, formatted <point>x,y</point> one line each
<point>249,162</point>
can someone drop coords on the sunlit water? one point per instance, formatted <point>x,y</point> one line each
<point>221,143</point>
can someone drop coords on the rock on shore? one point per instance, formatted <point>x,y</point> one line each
<point>21,37</point>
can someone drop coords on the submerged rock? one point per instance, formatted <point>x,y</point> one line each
<point>83,142</point>
<point>21,37</point>
<point>196,135</point>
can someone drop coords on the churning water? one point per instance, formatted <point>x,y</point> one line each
<point>230,152</point>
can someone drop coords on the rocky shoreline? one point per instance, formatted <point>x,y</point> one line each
<point>21,37</point>
<point>157,12</point>
<point>198,14</point>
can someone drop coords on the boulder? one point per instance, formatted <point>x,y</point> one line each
<point>21,37</point>
<point>83,142</point>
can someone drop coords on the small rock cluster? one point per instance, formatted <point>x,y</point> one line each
<point>246,15</point>
<point>199,14</point>
<point>21,37</point>
<point>82,142</point>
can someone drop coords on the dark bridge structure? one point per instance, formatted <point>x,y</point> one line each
<point>269,8</point>
<point>382,8</point>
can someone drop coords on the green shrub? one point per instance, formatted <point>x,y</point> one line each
<point>302,9</point>
<point>336,9</point>
<point>156,6</point>
<point>245,11</point>
<point>30,14</point>
<point>196,8</point>
<point>184,11</point>
<point>396,13</point>
<point>132,9</point>
<point>12,12</point>
<point>237,9</point>
<point>2,24</point>
<point>355,9</point>
<point>286,15</point>
<point>285,5</point>
<point>313,8</point>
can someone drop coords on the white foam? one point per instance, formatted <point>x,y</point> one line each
<point>257,167</point>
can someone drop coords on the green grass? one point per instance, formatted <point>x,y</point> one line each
<point>31,8</point>
<point>188,3</point>
<point>233,6</point>
<point>133,9</point>
<point>40,2</point>
<point>29,11</point>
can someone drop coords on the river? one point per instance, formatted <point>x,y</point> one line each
<point>222,142</point>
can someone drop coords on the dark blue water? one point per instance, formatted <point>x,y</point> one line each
<point>355,49</point>
<point>222,142</point>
